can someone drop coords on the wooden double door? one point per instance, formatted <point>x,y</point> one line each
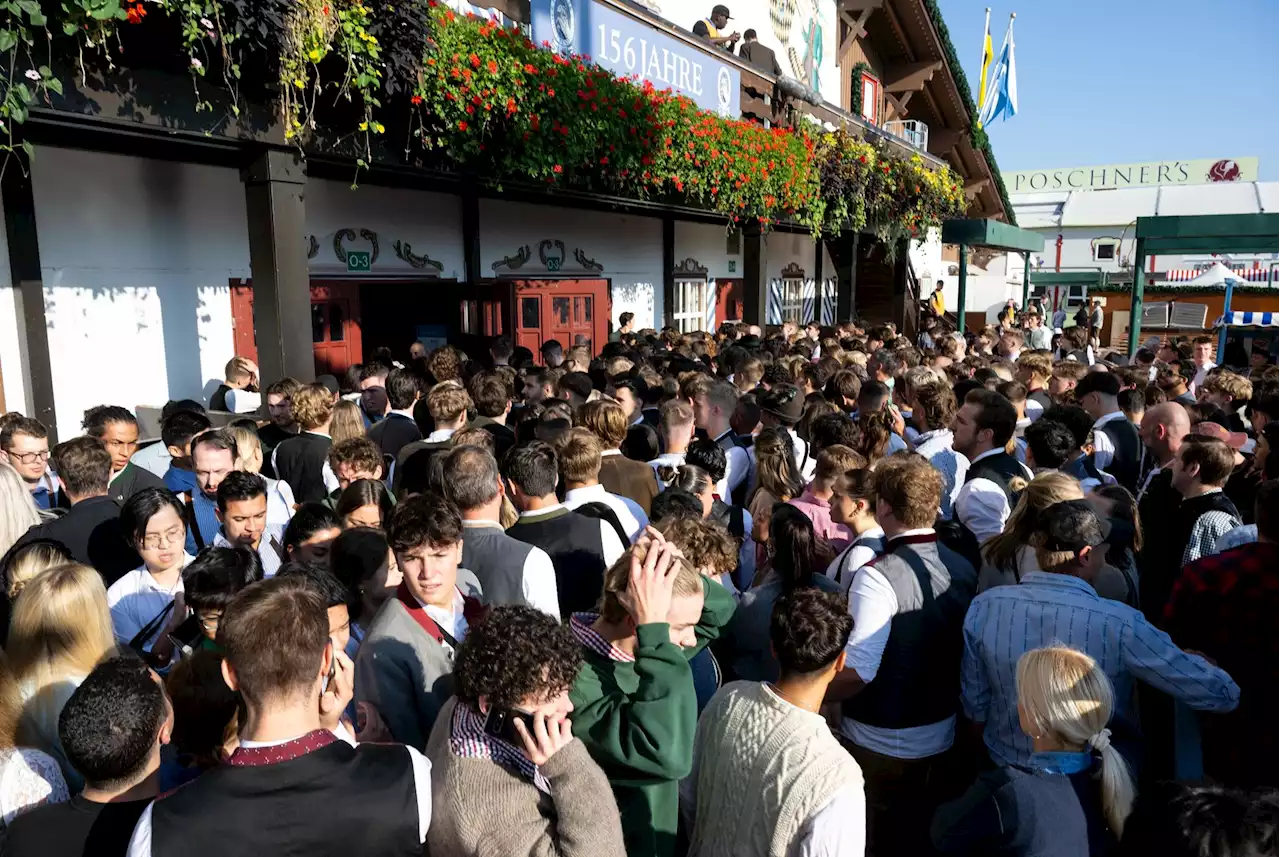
<point>336,339</point>
<point>573,312</point>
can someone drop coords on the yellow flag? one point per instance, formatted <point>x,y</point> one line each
<point>986,61</point>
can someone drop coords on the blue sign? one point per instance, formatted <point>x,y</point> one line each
<point>627,46</point>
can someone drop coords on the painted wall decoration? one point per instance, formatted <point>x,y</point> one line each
<point>802,33</point>
<point>552,255</point>
<point>348,239</point>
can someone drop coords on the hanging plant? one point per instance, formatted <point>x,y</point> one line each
<point>94,23</point>
<point>24,79</point>
<point>363,57</point>
<point>309,30</point>
<point>206,38</point>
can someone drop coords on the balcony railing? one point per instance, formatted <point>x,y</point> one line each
<point>913,131</point>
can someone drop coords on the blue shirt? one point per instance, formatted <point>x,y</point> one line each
<point>206,518</point>
<point>180,481</point>
<point>1047,609</point>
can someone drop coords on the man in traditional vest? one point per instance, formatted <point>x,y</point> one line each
<point>296,783</point>
<point>901,682</point>
<point>580,548</point>
<point>1117,449</point>
<point>981,431</point>
<point>406,661</point>
<point>713,29</point>
<point>510,571</point>
<point>712,409</point>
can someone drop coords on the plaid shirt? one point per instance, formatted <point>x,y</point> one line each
<point>1226,606</point>
<point>580,624</point>
<point>1209,526</point>
<point>468,739</point>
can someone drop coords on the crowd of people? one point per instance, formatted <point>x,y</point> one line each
<point>799,592</point>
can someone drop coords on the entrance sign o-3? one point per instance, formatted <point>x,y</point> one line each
<point>359,260</point>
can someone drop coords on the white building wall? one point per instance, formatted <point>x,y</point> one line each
<point>430,224</point>
<point>137,256</point>
<point>785,248</point>
<point>629,248</point>
<point>708,244</point>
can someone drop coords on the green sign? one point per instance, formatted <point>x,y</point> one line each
<point>359,260</point>
<point>733,266</point>
<point>553,264</point>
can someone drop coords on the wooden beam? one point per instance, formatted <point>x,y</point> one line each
<point>899,103</point>
<point>857,26</point>
<point>909,77</point>
<point>972,189</point>
<point>755,283</point>
<point>943,140</point>
<point>860,5</point>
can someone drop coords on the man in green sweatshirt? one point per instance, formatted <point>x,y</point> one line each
<point>634,702</point>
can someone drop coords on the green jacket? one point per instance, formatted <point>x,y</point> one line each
<point>638,720</point>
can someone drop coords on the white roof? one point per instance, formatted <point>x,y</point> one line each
<point>1122,206</point>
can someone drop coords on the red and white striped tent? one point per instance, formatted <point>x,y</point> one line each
<point>1247,274</point>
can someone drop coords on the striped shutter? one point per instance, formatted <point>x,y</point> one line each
<point>829,301</point>
<point>808,304</point>
<point>773,308</point>
<point>711,306</point>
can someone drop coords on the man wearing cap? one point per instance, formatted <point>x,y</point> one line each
<point>1117,449</point>
<point>712,28</point>
<point>782,407</point>
<point>1059,606</point>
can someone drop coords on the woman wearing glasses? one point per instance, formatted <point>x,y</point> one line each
<point>147,603</point>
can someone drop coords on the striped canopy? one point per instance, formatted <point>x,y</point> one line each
<point>1249,275</point>
<point>1249,319</point>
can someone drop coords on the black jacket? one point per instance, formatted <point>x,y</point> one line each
<point>130,481</point>
<point>91,533</point>
<point>394,433</point>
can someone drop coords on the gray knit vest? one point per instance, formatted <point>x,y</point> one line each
<point>498,561</point>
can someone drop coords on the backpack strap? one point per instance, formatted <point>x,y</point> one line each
<point>602,512</point>
<point>192,524</point>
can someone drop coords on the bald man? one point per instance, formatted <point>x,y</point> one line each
<point>1163,429</point>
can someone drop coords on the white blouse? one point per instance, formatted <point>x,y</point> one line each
<point>28,779</point>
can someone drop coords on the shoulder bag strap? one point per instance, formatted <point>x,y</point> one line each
<point>192,523</point>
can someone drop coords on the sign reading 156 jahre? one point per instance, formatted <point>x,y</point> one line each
<point>627,46</point>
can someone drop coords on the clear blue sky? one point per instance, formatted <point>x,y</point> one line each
<point>1117,81</point>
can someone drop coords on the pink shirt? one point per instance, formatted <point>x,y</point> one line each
<point>819,512</point>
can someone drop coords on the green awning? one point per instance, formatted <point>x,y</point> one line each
<point>992,233</point>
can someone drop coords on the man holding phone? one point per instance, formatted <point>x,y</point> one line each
<point>508,775</point>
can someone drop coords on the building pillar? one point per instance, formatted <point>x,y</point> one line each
<point>963,287</point>
<point>471,236</point>
<point>28,289</point>
<point>274,185</point>
<point>844,255</point>
<point>755,285</point>
<point>1135,295</point>
<point>669,271</point>
<point>1026,279</point>
<point>900,306</point>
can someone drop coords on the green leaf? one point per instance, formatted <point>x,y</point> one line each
<point>30,150</point>
<point>38,19</point>
<point>54,85</point>
<point>8,39</point>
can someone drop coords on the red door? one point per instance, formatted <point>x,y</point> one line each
<point>335,324</point>
<point>728,301</point>
<point>574,312</point>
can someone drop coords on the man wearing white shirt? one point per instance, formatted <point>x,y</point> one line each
<point>581,548</point>
<point>263,799</point>
<point>579,453</point>
<point>510,571</point>
<point>1202,354</point>
<point>982,428</point>
<point>1038,337</point>
<point>677,427</point>
<point>712,410</point>
<point>447,403</point>
<point>902,673</point>
<point>242,511</point>
<point>1117,449</point>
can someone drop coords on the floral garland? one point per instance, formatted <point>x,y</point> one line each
<point>494,104</point>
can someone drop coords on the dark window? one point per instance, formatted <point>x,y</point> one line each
<point>317,322</point>
<point>530,313</point>
<point>560,311</point>
<point>335,322</point>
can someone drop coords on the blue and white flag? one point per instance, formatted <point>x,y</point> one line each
<point>1001,101</point>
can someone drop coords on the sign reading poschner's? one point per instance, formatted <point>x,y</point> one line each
<point>1110,176</point>
<point>627,46</point>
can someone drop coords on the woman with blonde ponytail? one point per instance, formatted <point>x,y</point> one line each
<point>1072,798</point>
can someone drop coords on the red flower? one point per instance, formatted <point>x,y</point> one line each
<point>529,69</point>
<point>462,126</point>
<point>557,169</point>
<point>325,11</point>
<point>471,110</point>
<point>417,99</point>
<point>511,105</point>
<point>493,67</point>
<point>551,93</point>
<point>605,159</point>
<point>475,61</point>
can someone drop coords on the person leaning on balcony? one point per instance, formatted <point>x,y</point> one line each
<point>760,56</point>
<point>712,28</point>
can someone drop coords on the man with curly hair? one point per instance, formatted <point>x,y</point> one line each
<point>510,776</point>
